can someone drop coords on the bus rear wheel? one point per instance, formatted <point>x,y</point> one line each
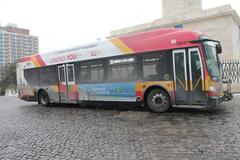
<point>158,101</point>
<point>43,98</point>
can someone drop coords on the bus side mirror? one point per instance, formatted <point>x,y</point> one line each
<point>219,48</point>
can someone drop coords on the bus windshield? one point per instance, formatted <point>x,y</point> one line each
<point>212,60</point>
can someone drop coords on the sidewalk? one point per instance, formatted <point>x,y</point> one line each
<point>235,88</point>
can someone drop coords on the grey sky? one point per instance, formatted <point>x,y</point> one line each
<point>65,23</point>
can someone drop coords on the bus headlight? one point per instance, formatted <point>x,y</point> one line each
<point>212,88</point>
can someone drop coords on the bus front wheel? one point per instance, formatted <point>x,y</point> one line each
<point>43,98</point>
<point>158,100</point>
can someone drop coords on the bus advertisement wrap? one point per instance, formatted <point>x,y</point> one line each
<point>158,69</point>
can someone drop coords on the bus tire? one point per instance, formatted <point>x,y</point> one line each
<point>43,98</point>
<point>158,100</point>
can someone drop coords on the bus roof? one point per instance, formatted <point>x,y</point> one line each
<point>160,39</point>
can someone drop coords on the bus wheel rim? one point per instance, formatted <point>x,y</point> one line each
<point>159,101</point>
<point>43,99</point>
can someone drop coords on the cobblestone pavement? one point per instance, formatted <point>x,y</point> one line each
<point>28,131</point>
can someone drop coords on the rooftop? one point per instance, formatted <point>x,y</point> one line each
<point>12,28</point>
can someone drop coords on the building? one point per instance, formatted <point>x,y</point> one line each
<point>15,43</point>
<point>221,23</point>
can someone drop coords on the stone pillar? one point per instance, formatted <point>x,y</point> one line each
<point>173,8</point>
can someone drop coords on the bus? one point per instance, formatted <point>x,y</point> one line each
<point>158,69</point>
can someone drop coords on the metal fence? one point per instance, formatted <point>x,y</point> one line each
<point>231,70</point>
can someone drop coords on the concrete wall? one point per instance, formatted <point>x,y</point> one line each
<point>10,92</point>
<point>235,88</point>
<point>220,23</point>
<point>219,28</point>
<point>172,8</point>
<point>236,39</point>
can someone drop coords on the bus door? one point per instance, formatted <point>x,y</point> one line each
<point>67,86</point>
<point>188,76</point>
<point>180,76</point>
<point>196,77</point>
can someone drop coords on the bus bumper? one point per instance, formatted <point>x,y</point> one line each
<point>214,102</point>
<point>28,98</point>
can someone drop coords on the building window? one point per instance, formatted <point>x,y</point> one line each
<point>178,26</point>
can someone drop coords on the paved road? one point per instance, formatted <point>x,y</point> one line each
<point>28,131</point>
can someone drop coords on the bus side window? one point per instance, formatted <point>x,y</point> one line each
<point>96,72</point>
<point>122,69</point>
<point>91,72</point>
<point>48,76</point>
<point>156,66</point>
<point>84,73</point>
<point>31,76</point>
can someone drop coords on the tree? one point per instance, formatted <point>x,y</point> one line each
<point>9,77</point>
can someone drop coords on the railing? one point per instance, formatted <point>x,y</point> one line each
<point>231,70</point>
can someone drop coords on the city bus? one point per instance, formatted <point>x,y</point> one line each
<point>159,69</point>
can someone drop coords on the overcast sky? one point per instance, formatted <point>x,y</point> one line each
<point>66,23</point>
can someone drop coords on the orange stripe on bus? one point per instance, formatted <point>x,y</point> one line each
<point>121,45</point>
<point>203,86</point>
<point>35,62</point>
<point>142,86</point>
<point>186,85</point>
<point>197,83</point>
<point>191,85</point>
